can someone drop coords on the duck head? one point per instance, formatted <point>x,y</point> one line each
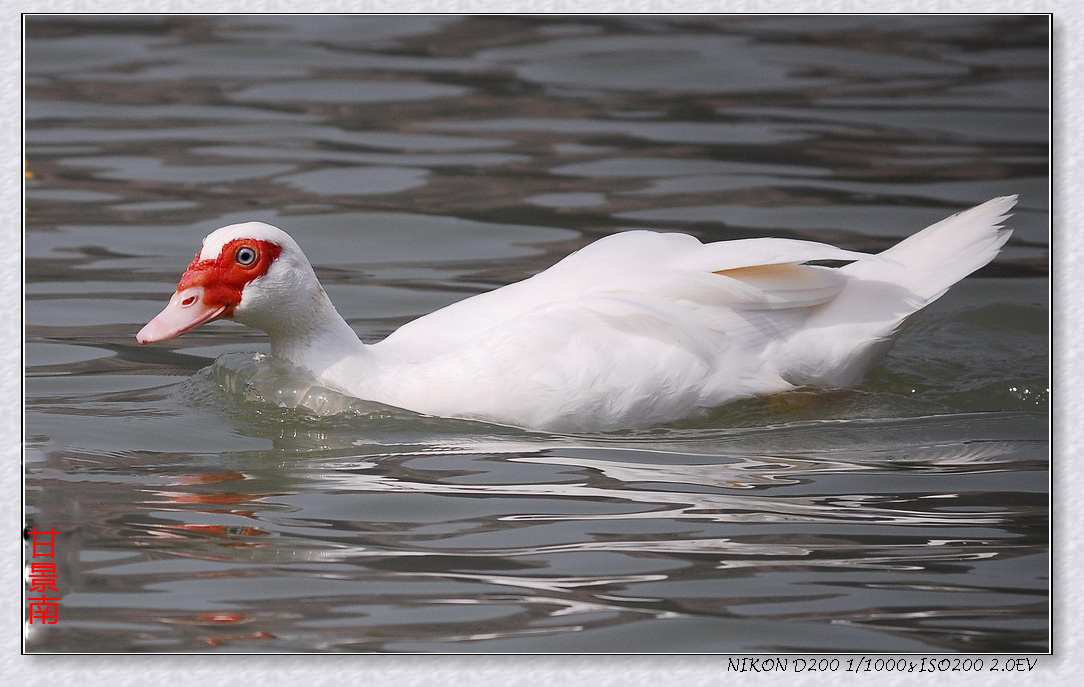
<point>253,273</point>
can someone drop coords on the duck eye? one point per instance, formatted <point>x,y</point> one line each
<point>245,256</point>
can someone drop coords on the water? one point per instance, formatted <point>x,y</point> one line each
<point>206,501</point>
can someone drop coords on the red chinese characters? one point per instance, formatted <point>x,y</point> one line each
<point>42,577</point>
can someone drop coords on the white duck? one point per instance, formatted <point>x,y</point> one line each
<point>636,329</point>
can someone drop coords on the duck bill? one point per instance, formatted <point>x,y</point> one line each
<point>186,310</point>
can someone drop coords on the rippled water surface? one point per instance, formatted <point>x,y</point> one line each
<point>206,500</point>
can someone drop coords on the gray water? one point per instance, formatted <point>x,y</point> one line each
<point>200,506</point>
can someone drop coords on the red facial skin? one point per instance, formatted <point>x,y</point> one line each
<point>211,289</point>
<point>223,278</point>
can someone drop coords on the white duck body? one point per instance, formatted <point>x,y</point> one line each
<point>636,329</point>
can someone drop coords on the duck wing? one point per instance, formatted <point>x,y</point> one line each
<point>649,270</point>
